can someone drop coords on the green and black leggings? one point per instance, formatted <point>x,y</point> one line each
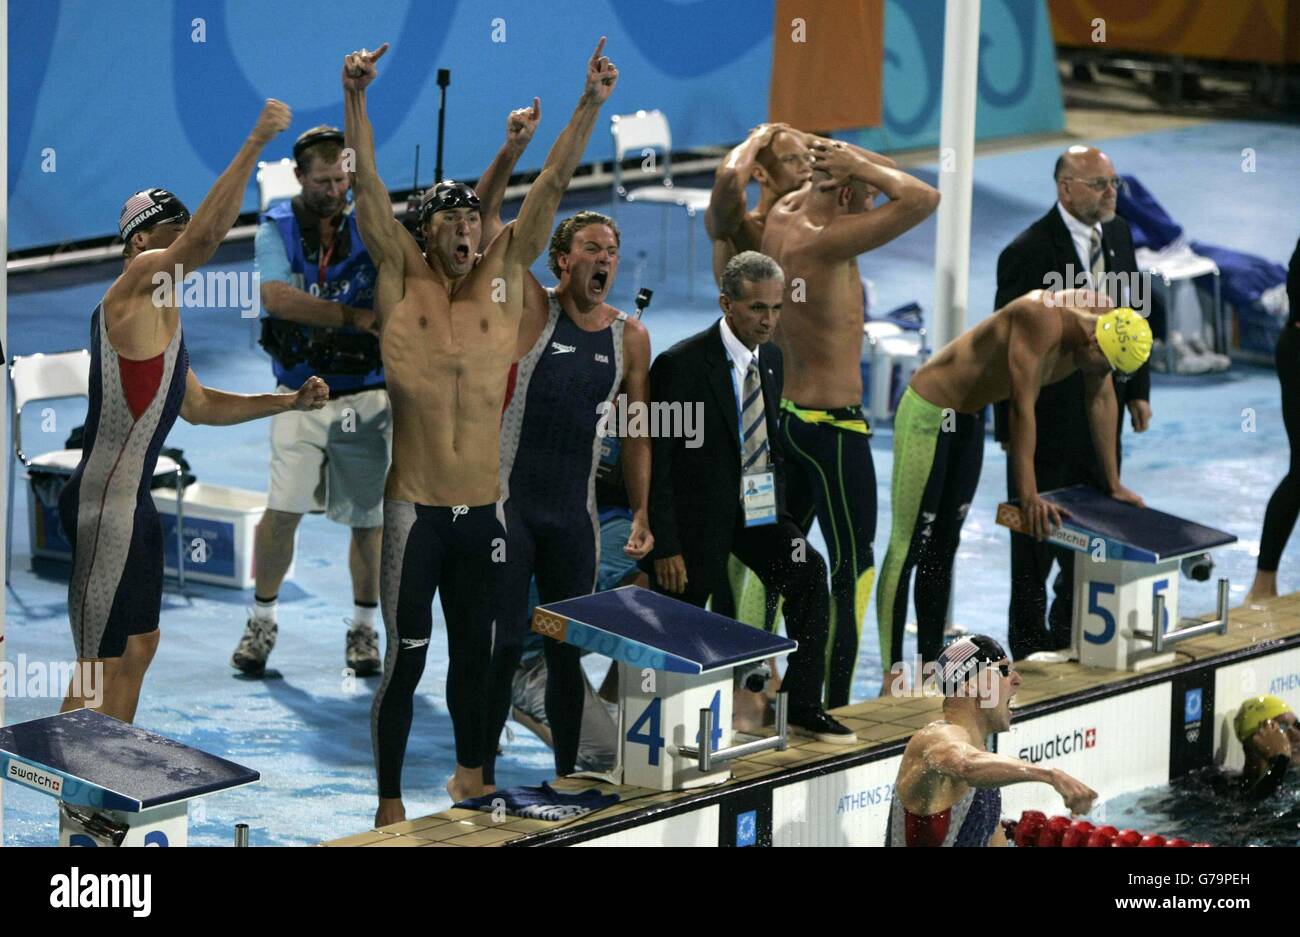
<point>937,460</point>
<point>832,478</point>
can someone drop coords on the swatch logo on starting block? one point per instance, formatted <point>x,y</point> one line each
<point>35,777</point>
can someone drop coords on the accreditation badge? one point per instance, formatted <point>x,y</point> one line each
<point>758,495</point>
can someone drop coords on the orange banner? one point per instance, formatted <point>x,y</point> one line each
<point>1237,30</point>
<point>827,63</point>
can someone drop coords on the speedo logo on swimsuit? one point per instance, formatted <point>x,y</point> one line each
<point>35,777</point>
<point>558,349</point>
<point>412,643</point>
<point>459,510</point>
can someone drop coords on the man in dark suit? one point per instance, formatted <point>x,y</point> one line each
<point>720,491</point>
<point>1079,242</point>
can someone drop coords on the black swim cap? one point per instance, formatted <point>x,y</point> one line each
<point>148,208</point>
<point>964,657</point>
<point>445,196</point>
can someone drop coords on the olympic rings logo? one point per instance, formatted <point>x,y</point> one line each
<point>548,625</point>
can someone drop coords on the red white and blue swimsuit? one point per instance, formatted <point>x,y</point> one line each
<point>106,509</point>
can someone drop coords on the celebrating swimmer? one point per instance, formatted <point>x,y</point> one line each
<point>948,790</point>
<point>449,322</point>
<point>140,381</point>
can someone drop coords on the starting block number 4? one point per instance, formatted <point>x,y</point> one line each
<point>648,730</point>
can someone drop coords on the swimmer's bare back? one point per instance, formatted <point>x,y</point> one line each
<point>973,370</point>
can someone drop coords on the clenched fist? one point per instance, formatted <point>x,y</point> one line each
<point>275,117</point>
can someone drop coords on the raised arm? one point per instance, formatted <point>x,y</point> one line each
<point>211,222</point>
<point>380,230</point>
<point>491,188</point>
<point>531,229</point>
<point>911,201</point>
<point>727,203</point>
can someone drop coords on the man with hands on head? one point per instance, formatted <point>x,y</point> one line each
<point>140,382</point>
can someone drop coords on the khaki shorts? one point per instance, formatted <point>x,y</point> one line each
<point>334,459</point>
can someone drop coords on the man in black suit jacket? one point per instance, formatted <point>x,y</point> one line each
<point>707,491</point>
<point>1060,251</point>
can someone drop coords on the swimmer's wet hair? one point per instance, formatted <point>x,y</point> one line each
<point>748,266</point>
<point>566,230</point>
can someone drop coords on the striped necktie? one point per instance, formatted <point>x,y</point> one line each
<point>753,417</point>
<point>1096,262</point>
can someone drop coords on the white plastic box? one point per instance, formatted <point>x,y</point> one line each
<point>219,526</point>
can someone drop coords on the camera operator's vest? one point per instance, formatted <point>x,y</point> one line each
<point>349,280</point>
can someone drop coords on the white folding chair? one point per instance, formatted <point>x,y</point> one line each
<point>276,181</point>
<point>646,133</point>
<point>63,375</point>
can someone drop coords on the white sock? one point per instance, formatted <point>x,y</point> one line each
<point>264,611</point>
<point>364,615</point>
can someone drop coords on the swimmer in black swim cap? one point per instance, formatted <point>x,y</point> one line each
<point>451,226</point>
<point>150,220</point>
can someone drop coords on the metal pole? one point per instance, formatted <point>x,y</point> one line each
<point>241,834</point>
<point>444,79</point>
<point>956,168</point>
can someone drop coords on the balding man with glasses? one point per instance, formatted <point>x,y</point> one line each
<point>1080,242</point>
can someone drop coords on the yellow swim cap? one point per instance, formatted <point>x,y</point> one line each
<point>1125,339</point>
<point>1254,713</point>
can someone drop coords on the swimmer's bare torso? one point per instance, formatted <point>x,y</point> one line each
<point>820,334</point>
<point>447,349</point>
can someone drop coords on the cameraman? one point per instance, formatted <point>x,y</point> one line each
<point>317,287</point>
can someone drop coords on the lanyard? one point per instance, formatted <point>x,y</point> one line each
<point>325,254</point>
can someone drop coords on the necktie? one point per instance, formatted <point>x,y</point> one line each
<point>753,417</point>
<point>1096,261</point>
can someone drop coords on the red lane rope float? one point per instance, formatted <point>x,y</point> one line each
<point>1034,829</point>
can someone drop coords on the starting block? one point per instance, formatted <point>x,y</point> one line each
<point>117,785</point>
<point>676,664</point>
<point>1127,566</point>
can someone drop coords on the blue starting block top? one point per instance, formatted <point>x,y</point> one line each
<point>1141,535</point>
<point>646,629</point>
<point>88,759</point>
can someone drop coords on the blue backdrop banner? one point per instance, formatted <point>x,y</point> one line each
<point>107,96</point>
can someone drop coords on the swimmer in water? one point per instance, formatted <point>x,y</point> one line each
<point>948,790</point>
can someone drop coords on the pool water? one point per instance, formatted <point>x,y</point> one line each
<point>1190,808</point>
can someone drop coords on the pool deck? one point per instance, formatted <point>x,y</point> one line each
<point>883,727</point>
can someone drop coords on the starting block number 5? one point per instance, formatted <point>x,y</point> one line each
<point>648,729</point>
<point>1095,608</point>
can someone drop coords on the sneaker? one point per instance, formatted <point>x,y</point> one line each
<point>362,654</point>
<point>254,647</point>
<point>819,724</point>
